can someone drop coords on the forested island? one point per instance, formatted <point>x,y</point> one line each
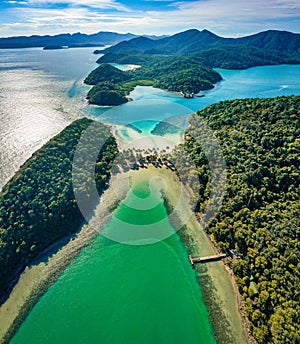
<point>175,73</point>
<point>38,206</point>
<point>183,62</point>
<point>259,216</point>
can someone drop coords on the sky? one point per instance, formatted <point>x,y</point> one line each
<point>230,18</point>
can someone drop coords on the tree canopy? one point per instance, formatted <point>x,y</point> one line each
<point>260,214</point>
<point>38,206</point>
<point>177,73</point>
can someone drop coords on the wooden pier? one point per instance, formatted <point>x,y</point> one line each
<point>207,259</point>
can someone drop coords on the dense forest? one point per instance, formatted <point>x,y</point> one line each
<point>38,206</point>
<point>260,213</point>
<point>183,62</point>
<point>178,74</point>
<point>264,48</point>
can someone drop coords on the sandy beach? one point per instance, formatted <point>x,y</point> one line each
<point>128,138</point>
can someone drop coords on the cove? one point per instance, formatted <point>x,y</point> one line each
<point>119,293</point>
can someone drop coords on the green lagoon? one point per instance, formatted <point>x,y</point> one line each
<point>118,293</point>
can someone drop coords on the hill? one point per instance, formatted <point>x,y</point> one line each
<point>269,47</point>
<point>260,213</point>
<point>178,74</point>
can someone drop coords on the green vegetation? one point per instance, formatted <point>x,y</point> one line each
<point>106,73</point>
<point>260,212</point>
<point>265,48</point>
<point>105,93</point>
<point>183,62</point>
<point>38,207</point>
<point>176,74</point>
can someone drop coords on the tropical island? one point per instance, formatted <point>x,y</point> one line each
<point>175,73</point>
<point>270,47</point>
<point>259,138</point>
<point>183,62</point>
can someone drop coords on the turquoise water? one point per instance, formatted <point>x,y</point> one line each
<point>112,293</point>
<point>157,105</point>
<point>115,293</point>
<point>42,91</point>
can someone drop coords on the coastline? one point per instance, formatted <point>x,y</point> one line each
<point>219,289</point>
<point>38,277</point>
<point>217,285</point>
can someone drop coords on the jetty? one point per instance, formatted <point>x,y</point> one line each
<point>206,259</point>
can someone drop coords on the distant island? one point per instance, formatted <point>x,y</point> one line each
<point>78,40</point>
<point>54,47</point>
<point>184,62</point>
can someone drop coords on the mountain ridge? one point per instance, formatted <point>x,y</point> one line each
<point>269,47</point>
<point>269,39</point>
<point>67,39</point>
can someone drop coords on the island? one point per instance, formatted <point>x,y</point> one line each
<point>111,86</point>
<point>54,47</point>
<point>183,62</point>
<point>270,47</point>
<point>38,206</point>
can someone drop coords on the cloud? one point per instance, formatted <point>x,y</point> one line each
<point>98,4</point>
<point>219,16</point>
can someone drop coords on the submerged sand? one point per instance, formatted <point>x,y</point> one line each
<point>38,277</point>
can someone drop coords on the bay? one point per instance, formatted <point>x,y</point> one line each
<point>43,91</point>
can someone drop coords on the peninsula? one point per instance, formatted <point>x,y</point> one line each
<point>38,206</point>
<point>175,73</point>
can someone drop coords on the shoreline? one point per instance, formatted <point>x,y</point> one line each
<point>219,290</point>
<point>41,274</point>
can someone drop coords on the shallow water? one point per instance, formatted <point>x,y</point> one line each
<point>116,293</point>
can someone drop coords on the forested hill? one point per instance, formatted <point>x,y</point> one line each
<point>38,206</point>
<point>260,214</point>
<point>264,48</point>
<point>71,40</point>
<point>177,73</point>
